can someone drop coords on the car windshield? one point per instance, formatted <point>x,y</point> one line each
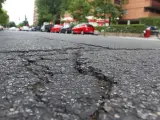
<point>57,26</point>
<point>66,26</point>
<point>79,59</point>
<point>89,25</point>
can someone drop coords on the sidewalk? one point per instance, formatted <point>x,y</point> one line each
<point>142,38</point>
<point>152,38</point>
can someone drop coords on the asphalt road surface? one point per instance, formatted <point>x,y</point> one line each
<point>45,76</point>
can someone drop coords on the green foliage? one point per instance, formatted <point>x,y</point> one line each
<point>43,11</point>
<point>1,1</point>
<point>25,23</point>
<point>4,18</point>
<point>79,9</point>
<point>20,24</point>
<point>51,10</point>
<point>105,8</point>
<point>151,21</point>
<point>136,28</point>
<point>11,24</point>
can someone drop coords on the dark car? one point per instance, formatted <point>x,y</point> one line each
<point>38,28</point>
<point>66,29</point>
<point>48,27</point>
<point>33,29</point>
<point>154,29</point>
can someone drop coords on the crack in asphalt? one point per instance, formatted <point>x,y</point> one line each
<point>74,79</point>
<point>104,47</point>
<point>82,68</point>
<point>79,67</point>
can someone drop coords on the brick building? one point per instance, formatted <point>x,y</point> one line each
<point>35,15</point>
<point>134,9</point>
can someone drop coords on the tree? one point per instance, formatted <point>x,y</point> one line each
<point>25,22</point>
<point>50,10</point>
<point>1,1</point>
<point>43,11</point>
<point>4,18</point>
<point>21,24</point>
<point>12,24</point>
<point>107,9</point>
<point>104,8</point>
<point>79,9</point>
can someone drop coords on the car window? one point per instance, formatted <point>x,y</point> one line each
<point>77,25</point>
<point>57,26</point>
<point>89,25</point>
<point>66,26</point>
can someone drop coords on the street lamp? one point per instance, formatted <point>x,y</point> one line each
<point>117,19</point>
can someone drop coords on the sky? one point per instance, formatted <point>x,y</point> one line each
<point>17,9</point>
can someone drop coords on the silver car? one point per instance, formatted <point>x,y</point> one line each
<point>1,28</point>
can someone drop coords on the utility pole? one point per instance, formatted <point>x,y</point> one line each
<point>46,5</point>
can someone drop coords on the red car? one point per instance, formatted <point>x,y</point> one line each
<point>83,28</point>
<point>56,28</point>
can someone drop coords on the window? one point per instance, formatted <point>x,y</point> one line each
<point>125,12</point>
<point>119,1</point>
<point>125,1</point>
<point>153,10</point>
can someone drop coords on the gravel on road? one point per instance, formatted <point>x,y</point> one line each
<point>59,80</point>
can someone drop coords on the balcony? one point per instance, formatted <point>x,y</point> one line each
<point>117,2</point>
<point>155,3</point>
<point>154,7</point>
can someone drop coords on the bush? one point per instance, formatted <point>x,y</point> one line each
<point>136,28</point>
<point>151,21</point>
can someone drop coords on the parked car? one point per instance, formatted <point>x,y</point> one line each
<point>154,29</point>
<point>43,26</point>
<point>38,28</point>
<point>83,29</point>
<point>56,28</point>
<point>48,27</point>
<point>33,29</point>
<point>66,29</point>
<point>25,28</point>
<point>1,28</point>
<point>13,29</point>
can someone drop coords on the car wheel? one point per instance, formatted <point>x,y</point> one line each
<point>82,32</point>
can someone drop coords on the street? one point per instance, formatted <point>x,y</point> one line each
<point>49,76</point>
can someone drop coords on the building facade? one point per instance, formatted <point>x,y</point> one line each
<point>135,9</point>
<point>132,10</point>
<point>35,15</point>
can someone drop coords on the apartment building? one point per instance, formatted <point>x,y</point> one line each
<point>35,15</point>
<point>134,9</point>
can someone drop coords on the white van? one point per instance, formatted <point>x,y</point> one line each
<point>1,27</point>
<point>43,27</point>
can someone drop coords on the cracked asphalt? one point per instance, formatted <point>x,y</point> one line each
<point>50,79</point>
